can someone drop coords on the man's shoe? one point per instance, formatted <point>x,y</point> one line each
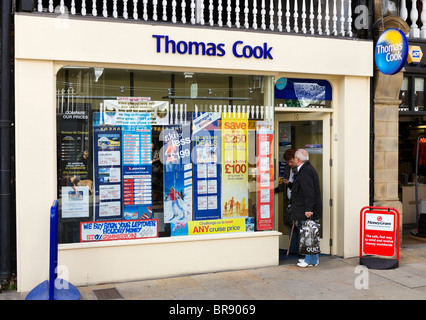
<point>303,264</point>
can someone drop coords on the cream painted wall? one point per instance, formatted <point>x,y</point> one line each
<point>116,261</point>
<point>44,44</point>
<point>35,128</point>
<point>352,163</point>
<point>103,41</point>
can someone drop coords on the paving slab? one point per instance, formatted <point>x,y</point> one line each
<point>333,279</point>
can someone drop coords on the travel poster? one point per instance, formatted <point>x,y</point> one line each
<point>177,173</point>
<point>234,166</point>
<point>73,162</point>
<point>200,227</point>
<point>107,161</point>
<point>75,202</point>
<point>137,165</point>
<point>206,154</point>
<point>264,175</point>
<point>217,226</point>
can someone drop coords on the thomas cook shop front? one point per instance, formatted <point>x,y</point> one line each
<point>163,145</point>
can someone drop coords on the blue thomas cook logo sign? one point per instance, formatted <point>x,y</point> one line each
<point>391,51</point>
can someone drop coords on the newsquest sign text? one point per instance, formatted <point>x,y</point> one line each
<point>164,44</point>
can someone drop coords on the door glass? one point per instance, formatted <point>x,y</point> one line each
<point>306,135</point>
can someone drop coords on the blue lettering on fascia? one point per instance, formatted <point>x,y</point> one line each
<point>240,50</point>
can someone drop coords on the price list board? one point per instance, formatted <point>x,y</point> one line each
<point>108,169</point>
<point>123,168</point>
<point>137,166</point>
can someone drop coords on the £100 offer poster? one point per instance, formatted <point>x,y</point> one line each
<point>234,166</point>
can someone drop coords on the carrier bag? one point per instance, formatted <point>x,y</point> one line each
<point>309,239</point>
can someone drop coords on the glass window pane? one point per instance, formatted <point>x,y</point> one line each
<point>419,102</point>
<point>403,96</point>
<point>155,153</point>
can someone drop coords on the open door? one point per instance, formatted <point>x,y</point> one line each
<point>310,131</point>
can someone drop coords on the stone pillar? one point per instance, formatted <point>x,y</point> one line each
<point>386,124</point>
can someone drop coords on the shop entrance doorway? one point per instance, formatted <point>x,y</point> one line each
<point>310,131</point>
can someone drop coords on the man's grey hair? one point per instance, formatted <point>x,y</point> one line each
<point>302,154</point>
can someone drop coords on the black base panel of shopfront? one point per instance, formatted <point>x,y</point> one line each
<point>378,263</point>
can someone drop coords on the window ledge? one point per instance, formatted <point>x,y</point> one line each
<point>207,237</point>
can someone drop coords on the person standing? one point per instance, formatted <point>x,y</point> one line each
<point>285,186</point>
<point>306,198</point>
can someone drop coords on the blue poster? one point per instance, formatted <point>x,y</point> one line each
<point>123,167</point>
<point>137,165</point>
<point>206,152</point>
<point>177,173</point>
<point>107,168</point>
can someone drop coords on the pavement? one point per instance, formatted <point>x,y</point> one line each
<point>334,278</point>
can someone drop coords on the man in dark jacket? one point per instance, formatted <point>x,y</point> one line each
<point>286,187</point>
<point>306,197</point>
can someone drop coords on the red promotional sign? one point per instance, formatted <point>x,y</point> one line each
<point>264,172</point>
<point>379,232</point>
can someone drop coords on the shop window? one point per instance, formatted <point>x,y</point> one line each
<point>403,96</point>
<point>419,100</point>
<point>145,154</point>
<point>412,95</point>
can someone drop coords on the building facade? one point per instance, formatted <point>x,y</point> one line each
<point>160,130</point>
<point>409,116</point>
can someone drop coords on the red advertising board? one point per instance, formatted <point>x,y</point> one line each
<point>264,172</point>
<point>379,232</point>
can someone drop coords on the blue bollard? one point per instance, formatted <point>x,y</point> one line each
<point>47,290</point>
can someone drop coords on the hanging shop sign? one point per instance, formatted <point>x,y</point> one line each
<point>265,177</point>
<point>415,55</point>
<point>206,165</point>
<point>234,166</point>
<point>391,51</point>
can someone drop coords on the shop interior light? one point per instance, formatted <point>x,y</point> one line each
<point>98,73</point>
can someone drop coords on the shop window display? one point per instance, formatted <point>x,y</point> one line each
<point>145,154</point>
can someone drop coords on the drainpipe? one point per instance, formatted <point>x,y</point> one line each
<point>372,139</point>
<point>5,127</point>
